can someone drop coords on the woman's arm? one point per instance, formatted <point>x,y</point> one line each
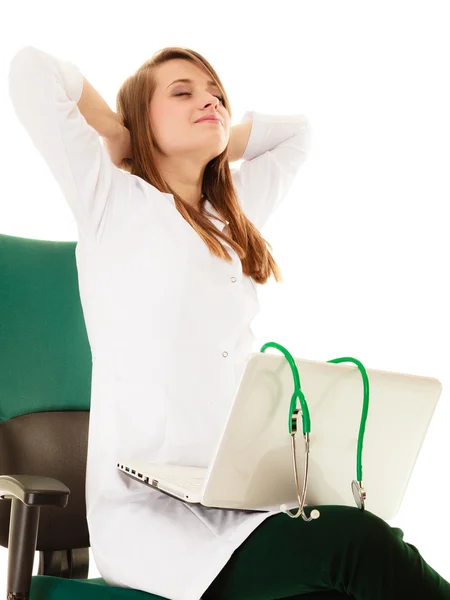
<point>97,113</point>
<point>277,148</point>
<point>45,92</point>
<point>239,136</point>
<point>106,123</point>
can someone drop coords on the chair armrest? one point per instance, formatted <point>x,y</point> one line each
<point>28,493</point>
<point>34,490</point>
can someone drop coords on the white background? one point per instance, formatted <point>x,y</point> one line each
<point>362,237</point>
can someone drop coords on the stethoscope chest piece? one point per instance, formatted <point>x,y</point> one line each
<point>359,494</point>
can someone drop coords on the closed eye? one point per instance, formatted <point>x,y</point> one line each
<point>188,94</point>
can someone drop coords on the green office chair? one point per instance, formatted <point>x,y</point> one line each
<point>45,384</point>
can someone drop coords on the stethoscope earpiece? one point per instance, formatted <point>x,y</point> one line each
<point>315,514</point>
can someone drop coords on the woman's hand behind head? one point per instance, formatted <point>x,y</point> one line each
<point>119,148</point>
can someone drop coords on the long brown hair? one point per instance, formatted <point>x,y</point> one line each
<point>132,102</point>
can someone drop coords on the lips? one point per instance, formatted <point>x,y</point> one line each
<point>208,118</point>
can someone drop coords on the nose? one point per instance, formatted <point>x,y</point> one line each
<point>215,104</point>
<point>214,101</point>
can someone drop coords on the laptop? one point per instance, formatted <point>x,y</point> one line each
<point>252,465</point>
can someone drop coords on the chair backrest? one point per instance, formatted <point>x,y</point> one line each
<point>45,381</point>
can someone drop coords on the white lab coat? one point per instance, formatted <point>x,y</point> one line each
<point>168,325</point>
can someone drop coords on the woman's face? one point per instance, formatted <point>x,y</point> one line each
<point>173,116</point>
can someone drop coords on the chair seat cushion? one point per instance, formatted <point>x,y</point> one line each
<point>44,587</point>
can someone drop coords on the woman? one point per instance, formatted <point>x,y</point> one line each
<point>169,256</point>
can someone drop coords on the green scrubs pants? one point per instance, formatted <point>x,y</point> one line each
<point>345,553</point>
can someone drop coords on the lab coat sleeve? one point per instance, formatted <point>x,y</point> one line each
<point>44,92</point>
<point>278,146</point>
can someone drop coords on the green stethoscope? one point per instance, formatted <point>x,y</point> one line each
<point>357,485</point>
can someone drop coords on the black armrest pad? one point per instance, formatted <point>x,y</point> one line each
<point>34,490</point>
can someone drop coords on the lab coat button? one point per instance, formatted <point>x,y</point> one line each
<point>224,354</point>
<point>233,279</point>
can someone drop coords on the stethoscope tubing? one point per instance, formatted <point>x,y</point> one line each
<point>358,491</point>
